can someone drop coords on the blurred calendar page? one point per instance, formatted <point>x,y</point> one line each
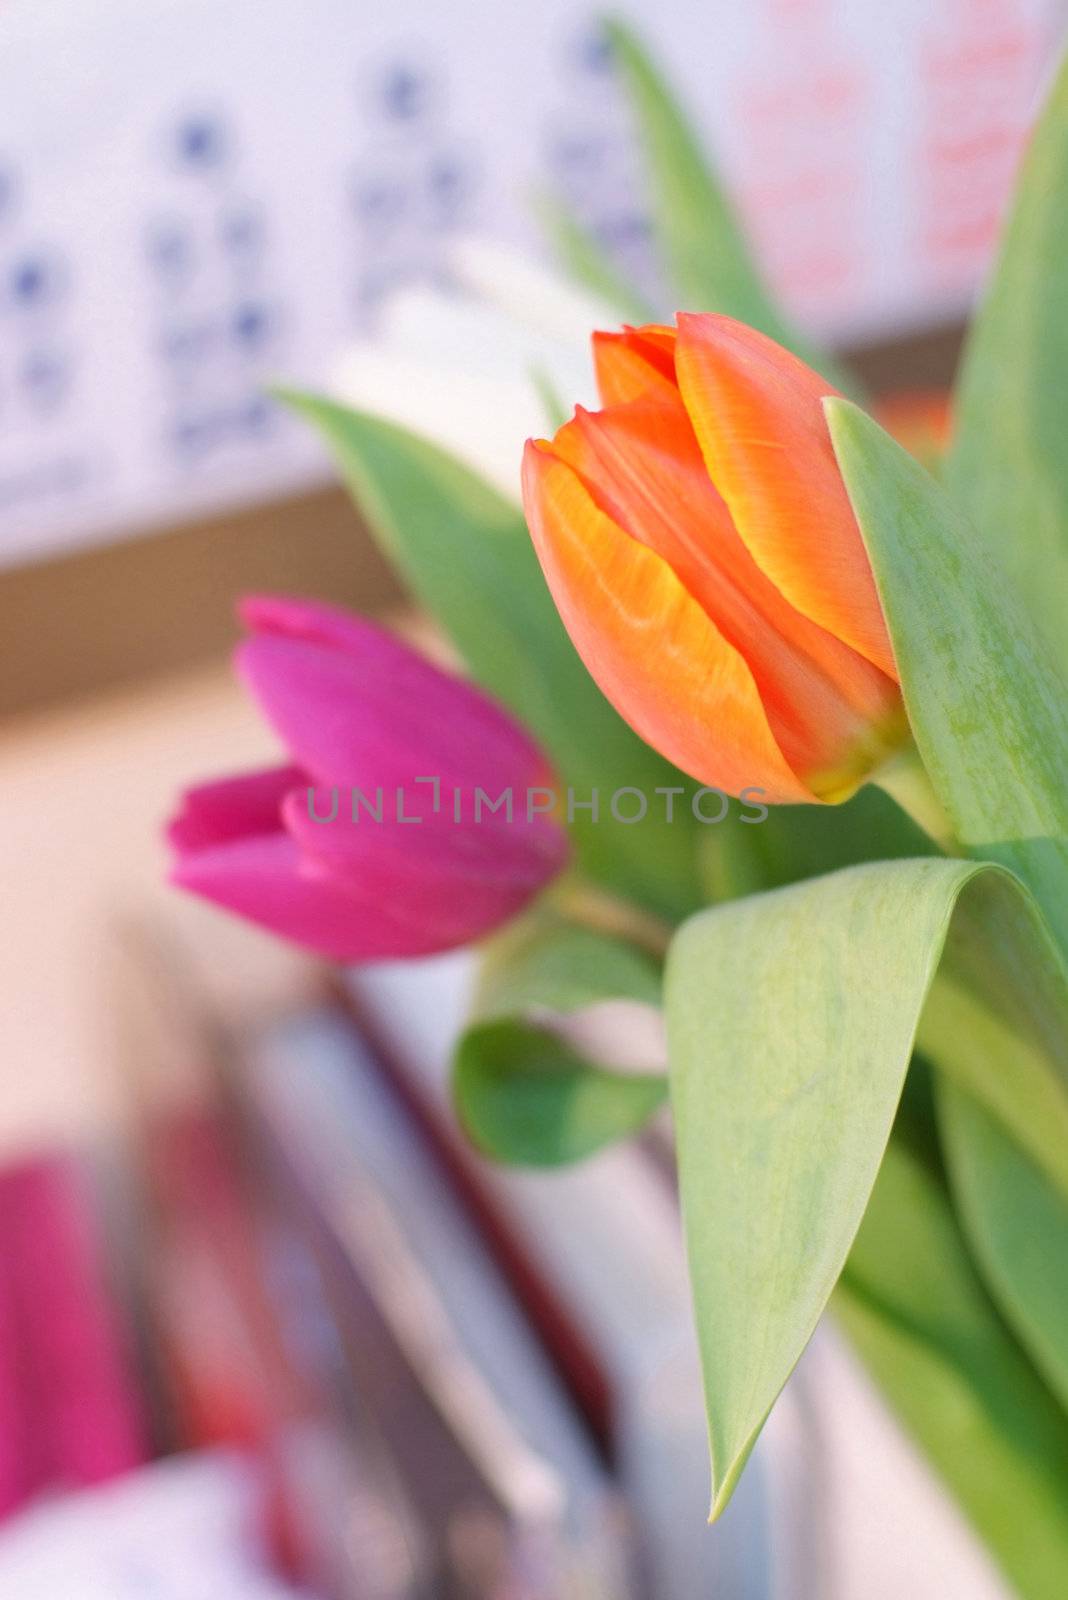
<point>197,196</point>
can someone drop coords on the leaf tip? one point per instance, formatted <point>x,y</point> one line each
<point>723,1489</point>
<point>843,416</point>
<point>323,412</point>
<point>296,399</point>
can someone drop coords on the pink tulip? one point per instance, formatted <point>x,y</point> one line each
<point>341,849</point>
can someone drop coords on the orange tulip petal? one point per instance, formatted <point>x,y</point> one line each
<point>644,469</point>
<point>636,362</point>
<point>758,415</point>
<point>654,652</point>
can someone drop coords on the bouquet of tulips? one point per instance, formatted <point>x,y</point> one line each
<point>761,722</point>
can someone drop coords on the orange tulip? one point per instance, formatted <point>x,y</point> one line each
<point>702,551</point>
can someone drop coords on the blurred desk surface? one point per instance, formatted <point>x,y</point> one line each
<point>83,794</point>
<point>88,620</point>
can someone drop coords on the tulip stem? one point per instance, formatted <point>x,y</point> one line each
<point>600,911</point>
<point>905,779</point>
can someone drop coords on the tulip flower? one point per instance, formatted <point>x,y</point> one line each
<point>370,840</point>
<point>703,554</point>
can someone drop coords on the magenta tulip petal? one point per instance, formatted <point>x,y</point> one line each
<point>399,826</point>
<point>370,917</point>
<point>490,857</point>
<point>310,622</point>
<point>232,808</point>
<point>377,713</point>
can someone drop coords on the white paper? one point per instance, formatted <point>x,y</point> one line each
<point>197,196</point>
<point>182,1529</point>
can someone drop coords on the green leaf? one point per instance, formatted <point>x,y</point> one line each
<point>796,842</point>
<point>527,1091</point>
<point>585,260</point>
<point>919,1317</point>
<point>996,1022</point>
<point>1016,1220</point>
<point>707,257</point>
<point>988,708</point>
<point>466,554</point>
<point>791,1021</point>
<point>1008,464</point>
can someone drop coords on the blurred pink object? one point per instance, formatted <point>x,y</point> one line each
<point>371,841</point>
<point>71,1414</point>
<point>14,1471</point>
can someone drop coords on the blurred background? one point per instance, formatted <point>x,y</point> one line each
<point>265,1324</point>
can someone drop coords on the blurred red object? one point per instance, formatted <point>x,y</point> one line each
<point>231,1380</point>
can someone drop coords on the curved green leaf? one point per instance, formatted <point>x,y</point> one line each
<point>913,1307</point>
<point>525,1096</point>
<point>1016,1219</point>
<point>1009,465</point>
<point>528,1091</point>
<point>988,707</point>
<point>791,1021</point>
<point>465,551</point>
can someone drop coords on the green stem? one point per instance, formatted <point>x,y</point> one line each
<point>904,778</point>
<point>603,912</point>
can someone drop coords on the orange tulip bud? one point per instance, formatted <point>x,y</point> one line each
<point>702,551</point>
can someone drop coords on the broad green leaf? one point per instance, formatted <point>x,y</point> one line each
<point>707,257</point>
<point>1009,465</point>
<point>916,1312</point>
<point>465,551</point>
<point>791,1021</point>
<point>526,1090</point>
<point>525,1096</point>
<point>1016,1220</point>
<point>988,708</point>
